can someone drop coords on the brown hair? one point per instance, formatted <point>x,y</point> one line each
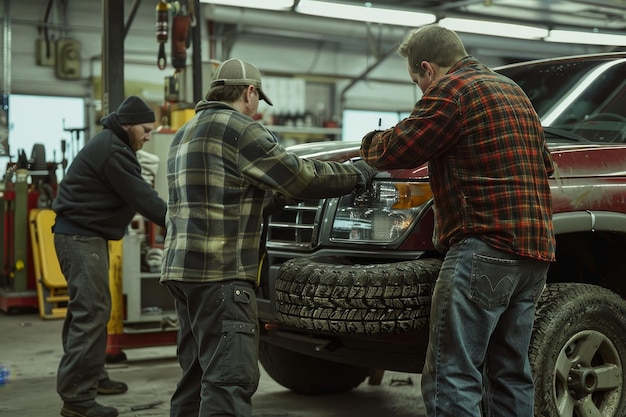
<point>432,43</point>
<point>226,93</point>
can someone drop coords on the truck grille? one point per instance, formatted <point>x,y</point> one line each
<point>296,226</point>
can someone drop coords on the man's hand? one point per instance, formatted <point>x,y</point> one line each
<point>276,203</point>
<point>367,174</point>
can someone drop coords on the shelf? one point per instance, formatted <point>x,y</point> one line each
<point>147,301</point>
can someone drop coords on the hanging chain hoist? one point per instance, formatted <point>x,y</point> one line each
<point>182,21</point>
<point>162,27</point>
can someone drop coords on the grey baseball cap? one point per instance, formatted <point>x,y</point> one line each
<point>237,72</point>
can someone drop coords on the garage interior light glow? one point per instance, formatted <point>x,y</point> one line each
<point>483,27</point>
<point>364,13</point>
<point>254,4</point>
<point>397,17</point>
<point>587,38</point>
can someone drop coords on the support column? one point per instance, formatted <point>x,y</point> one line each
<point>196,61</point>
<point>6,78</point>
<point>112,55</point>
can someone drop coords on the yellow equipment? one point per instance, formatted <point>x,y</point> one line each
<point>51,285</point>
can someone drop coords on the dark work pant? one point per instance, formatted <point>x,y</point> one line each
<point>217,348</point>
<point>84,261</point>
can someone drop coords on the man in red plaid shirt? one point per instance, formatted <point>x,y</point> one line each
<point>488,167</point>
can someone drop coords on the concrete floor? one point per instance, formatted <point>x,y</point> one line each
<point>31,348</point>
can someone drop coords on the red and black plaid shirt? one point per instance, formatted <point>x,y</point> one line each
<point>488,160</point>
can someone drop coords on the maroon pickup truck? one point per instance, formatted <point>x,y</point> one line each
<point>347,282</point>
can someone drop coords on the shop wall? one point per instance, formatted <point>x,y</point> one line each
<point>338,55</point>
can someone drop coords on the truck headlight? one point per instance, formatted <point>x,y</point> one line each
<point>382,214</point>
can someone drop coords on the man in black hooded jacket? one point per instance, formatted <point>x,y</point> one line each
<point>97,199</point>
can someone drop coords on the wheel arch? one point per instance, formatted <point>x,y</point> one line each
<point>589,221</point>
<point>591,248</point>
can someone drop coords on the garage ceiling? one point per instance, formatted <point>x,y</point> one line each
<point>605,16</point>
<point>582,14</point>
<point>361,56</point>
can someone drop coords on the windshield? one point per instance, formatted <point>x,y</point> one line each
<point>577,98</point>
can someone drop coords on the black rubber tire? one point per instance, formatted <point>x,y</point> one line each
<point>579,342</point>
<point>328,295</point>
<point>308,375</point>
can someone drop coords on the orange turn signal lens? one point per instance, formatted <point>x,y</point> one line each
<point>412,195</point>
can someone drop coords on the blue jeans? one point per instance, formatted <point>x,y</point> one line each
<point>481,322</point>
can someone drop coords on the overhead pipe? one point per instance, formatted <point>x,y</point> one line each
<point>293,21</point>
<point>364,74</point>
<point>131,17</point>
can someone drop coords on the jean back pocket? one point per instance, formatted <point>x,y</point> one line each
<point>492,280</point>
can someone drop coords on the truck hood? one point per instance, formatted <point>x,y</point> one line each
<point>572,160</point>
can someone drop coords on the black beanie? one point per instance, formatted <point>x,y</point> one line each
<point>134,111</point>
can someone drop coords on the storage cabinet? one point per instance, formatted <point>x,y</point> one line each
<point>147,301</point>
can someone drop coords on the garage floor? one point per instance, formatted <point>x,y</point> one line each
<point>31,348</point>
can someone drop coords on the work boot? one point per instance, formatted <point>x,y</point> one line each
<point>93,410</point>
<point>110,387</point>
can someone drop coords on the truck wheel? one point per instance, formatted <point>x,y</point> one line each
<point>305,374</point>
<point>330,295</point>
<point>578,352</point>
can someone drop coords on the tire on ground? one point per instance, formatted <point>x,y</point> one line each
<point>308,375</point>
<point>578,352</point>
<point>329,295</point>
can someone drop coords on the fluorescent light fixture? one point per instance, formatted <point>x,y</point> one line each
<point>588,38</point>
<point>483,27</point>
<point>364,13</point>
<point>254,4</point>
